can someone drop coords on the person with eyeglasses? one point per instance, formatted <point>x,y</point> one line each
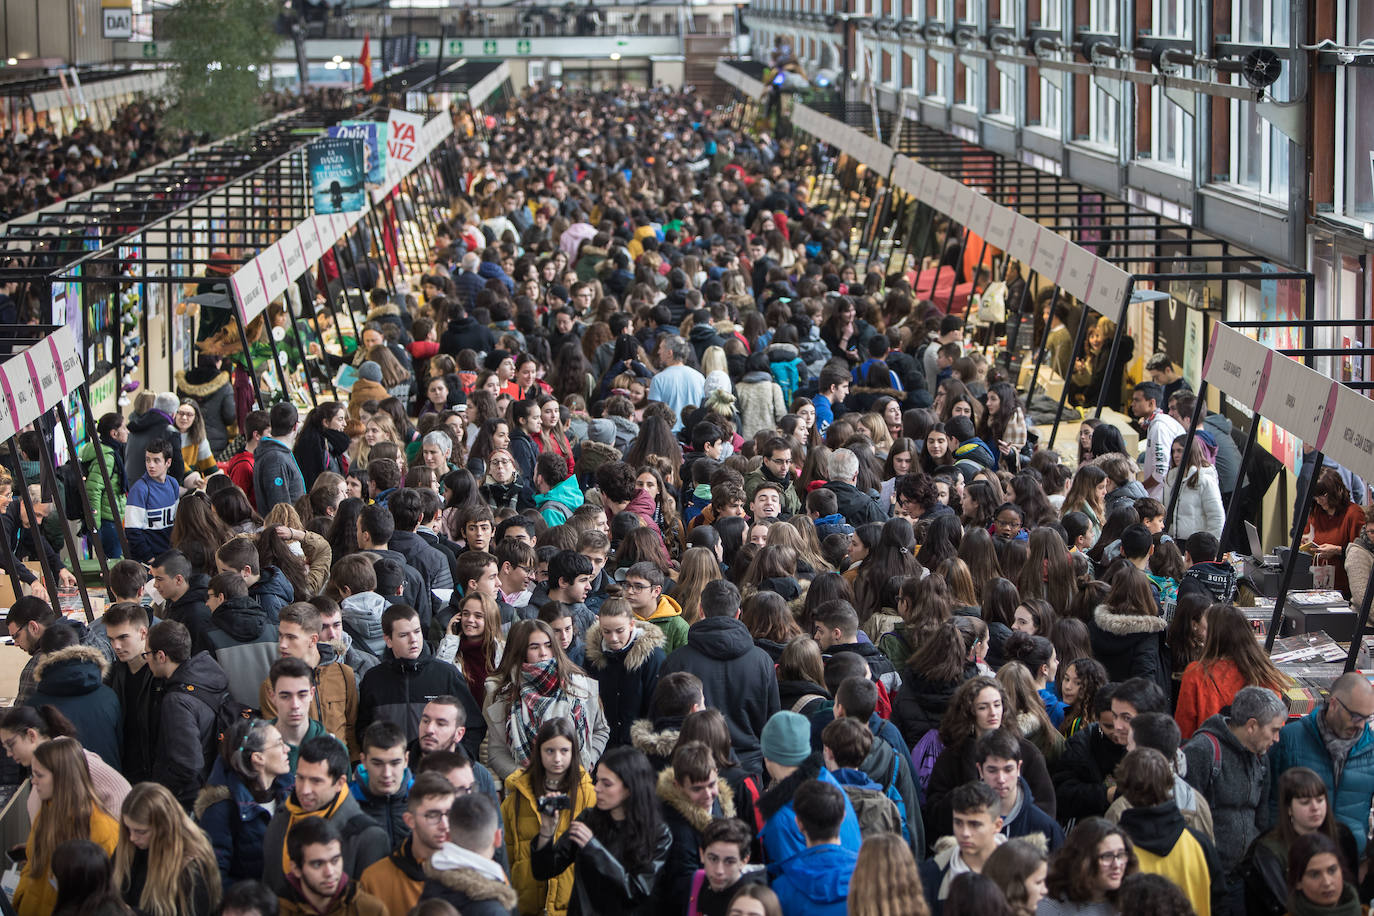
<point>251,778</point>
<point>398,879</point>
<point>1230,765</point>
<point>1085,875</point>
<point>1334,740</point>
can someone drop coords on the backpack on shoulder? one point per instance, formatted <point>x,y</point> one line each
<point>923,757</point>
<point>876,812</point>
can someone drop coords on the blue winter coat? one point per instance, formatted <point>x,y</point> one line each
<point>235,823</point>
<point>815,882</point>
<point>1300,745</point>
<point>782,838</point>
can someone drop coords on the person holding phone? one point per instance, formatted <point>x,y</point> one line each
<point>543,798</point>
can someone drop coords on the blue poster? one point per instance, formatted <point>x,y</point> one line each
<point>373,135</point>
<point>336,174</point>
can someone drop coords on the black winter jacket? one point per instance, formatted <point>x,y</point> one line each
<point>855,505</point>
<point>187,734</point>
<point>398,689</point>
<point>428,561</point>
<point>190,610</point>
<point>737,678</point>
<point>626,677</point>
<point>920,704</point>
<point>466,334</point>
<point>1129,645</point>
<point>1081,771</point>
<point>602,885</point>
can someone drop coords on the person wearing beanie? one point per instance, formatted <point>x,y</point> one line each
<point>597,449</point>
<point>368,387</point>
<point>146,428</point>
<point>787,755</point>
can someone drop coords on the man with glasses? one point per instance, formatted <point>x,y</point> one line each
<point>398,879</point>
<point>515,575</point>
<point>1230,765</point>
<point>1335,741</point>
<point>776,469</point>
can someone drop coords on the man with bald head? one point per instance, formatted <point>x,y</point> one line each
<point>1335,741</point>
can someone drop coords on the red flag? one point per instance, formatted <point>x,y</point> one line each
<point>365,61</point>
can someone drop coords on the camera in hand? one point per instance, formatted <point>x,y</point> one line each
<point>552,804</point>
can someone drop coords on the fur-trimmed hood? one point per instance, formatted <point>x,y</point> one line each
<point>202,389</point>
<point>473,884</point>
<point>648,638</point>
<point>69,657</point>
<point>1110,621</point>
<point>384,311</point>
<point>651,742</point>
<point>208,798</point>
<point>673,795</point>
<point>595,454</point>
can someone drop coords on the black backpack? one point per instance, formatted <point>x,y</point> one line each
<point>228,712</point>
<point>73,485</point>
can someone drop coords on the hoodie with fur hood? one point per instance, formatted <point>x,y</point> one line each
<point>72,680</point>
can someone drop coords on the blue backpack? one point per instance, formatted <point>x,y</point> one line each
<point>787,376</point>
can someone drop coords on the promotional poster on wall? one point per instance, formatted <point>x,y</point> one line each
<point>373,135</point>
<point>337,175</point>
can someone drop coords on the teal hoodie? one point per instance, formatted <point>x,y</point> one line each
<point>560,503</point>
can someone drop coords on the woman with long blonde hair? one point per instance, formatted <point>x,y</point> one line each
<point>699,567</point>
<point>885,881</point>
<point>794,533</point>
<point>379,428</point>
<point>70,811</point>
<point>164,865</point>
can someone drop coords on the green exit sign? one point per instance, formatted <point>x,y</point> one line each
<point>422,48</point>
<point>489,47</point>
<point>522,46</point>
<point>150,49</point>
<point>454,46</point>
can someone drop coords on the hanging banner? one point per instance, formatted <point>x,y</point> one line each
<point>37,379</point>
<point>337,176</point>
<point>1237,365</point>
<point>1299,399</point>
<point>403,130</point>
<point>373,136</point>
<point>1076,276</point>
<point>1351,439</point>
<point>273,270</point>
<point>248,292</point>
<point>1108,288</point>
<point>292,254</point>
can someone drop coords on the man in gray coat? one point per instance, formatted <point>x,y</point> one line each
<point>1228,763</point>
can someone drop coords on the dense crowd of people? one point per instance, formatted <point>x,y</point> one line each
<point>659,561</point>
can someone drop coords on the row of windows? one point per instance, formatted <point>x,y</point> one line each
<point>1125,120</point>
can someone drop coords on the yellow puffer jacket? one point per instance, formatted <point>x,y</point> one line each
<point>521,820</point>
<point>36,894</point>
